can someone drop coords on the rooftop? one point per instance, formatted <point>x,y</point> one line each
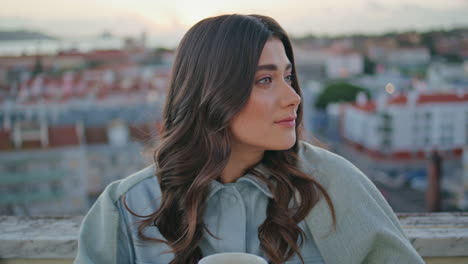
<point>438,237</point>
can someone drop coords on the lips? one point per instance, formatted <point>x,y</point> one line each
<point>288,119</point>
<point>288,122</point>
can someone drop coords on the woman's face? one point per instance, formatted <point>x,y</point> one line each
<point>267,121</point>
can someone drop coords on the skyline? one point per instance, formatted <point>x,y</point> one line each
<point>170,20</point>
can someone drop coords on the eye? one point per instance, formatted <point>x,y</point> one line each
<point>290,78</point>
<point>265,80</point>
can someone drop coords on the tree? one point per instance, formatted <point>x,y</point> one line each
<point>369,66</point>
<point>338,92</point>
<point>38,68</point>
<point>453,58</point>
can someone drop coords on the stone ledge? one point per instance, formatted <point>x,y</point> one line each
<point>38,237</point>
<point>434,235</point>
<point>437,234</point>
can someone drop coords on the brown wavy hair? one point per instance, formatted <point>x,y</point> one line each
<point>212,77</point>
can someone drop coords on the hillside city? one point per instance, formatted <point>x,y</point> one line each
<point>74,121</point>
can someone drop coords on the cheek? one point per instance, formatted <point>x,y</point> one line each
<point>258,110</point>
<point>255,119</point>
<point>254,125</point>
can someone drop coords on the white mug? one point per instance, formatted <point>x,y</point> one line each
<point>232,258</point>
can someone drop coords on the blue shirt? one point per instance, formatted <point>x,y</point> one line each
<point>234,212</point>
<point>367,231</point>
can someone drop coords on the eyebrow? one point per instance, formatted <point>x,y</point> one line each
<point>272,67</point>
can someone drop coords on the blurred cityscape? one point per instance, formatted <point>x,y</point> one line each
<point>74,119</point>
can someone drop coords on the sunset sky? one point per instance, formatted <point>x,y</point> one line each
<point>171,18</point>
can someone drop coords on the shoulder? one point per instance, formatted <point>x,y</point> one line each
<point>362,213</point>
<point>313,157</point>
<point>327,167</point>
<point>101,229</point>
<point>344,183</point>
<point>136,188</point>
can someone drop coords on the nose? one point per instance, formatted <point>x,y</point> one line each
<point>289,97</point>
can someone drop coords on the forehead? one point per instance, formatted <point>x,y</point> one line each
<point>273,53</point>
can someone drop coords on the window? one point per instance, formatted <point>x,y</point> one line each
<point>386,129</point>
<point>466,127</point>
<point>428,115</point>
<point>446,129</point>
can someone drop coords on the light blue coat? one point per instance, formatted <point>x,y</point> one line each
<point>367,229</point>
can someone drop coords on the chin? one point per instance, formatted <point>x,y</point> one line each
<point>284,145</point>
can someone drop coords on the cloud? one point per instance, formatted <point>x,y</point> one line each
<point>15,22</point>
<point>375,5</point>
<point>367,20</point>
<point>301,17</point>
<point>120,25</point>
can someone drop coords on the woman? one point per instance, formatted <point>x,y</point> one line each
<point>231,174</point>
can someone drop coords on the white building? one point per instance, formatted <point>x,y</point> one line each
<point>462,195</point>
<point>408,126</point>
<point>376,83</point>
<point>310,62</point>
<point>408,56</point>
<point>445,76</point>
<point>344,64</point>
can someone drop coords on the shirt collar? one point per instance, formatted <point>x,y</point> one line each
<point>215,186</point>
<point>255,181</point>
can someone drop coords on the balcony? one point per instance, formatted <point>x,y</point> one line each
<point>440,238</point>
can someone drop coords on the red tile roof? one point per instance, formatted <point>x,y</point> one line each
<point>422,99</point>
<point>368,107</point>
<point>443,98</point>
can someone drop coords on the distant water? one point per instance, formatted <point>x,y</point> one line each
<point>83,44</point>
<point>32,47</point>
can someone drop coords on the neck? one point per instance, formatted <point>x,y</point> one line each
<point>239,161</point>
